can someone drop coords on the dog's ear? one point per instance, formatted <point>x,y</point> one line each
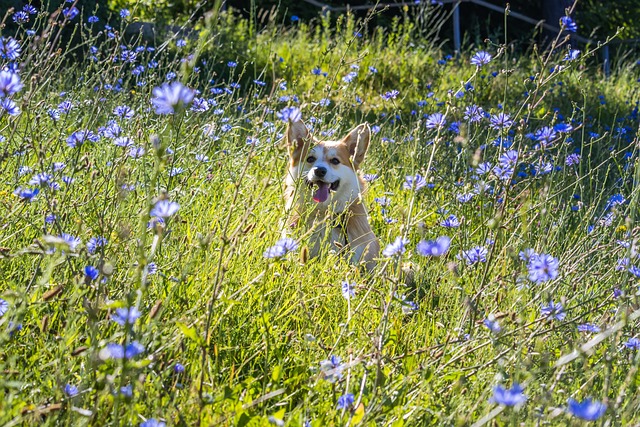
<point>357,143</point>
<point>297,137</point>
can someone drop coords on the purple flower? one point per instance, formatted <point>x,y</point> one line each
<point>481,58</point>
<point>451,221</point>
<point>10,83</point>
<point>4,307</point>
<point>77,138</point>
<point>152,422</point>
<point>397,247</point>
<point>414,182</point>
<point>437,247</point>
<point>573,159</point>
<point>91,272</point>
<point>164,209</point>
<point>124,316</point>
<point>589,410</point>
<point>118,351</point>
<point>70,390</point>
<point>568,24</point>
<point>348,289</point>
<point>542,268</point>
<point>281,248</point>
<point>573,54</point>
<point>331,369</point>
<point>508,397</point>
<point>390,95</point>
<point>553,311</point>
<point>474,255</point>
<point>633,344</point>
<point>345,401</point>
<point>492,324</point>
<point>124,111</point>
<point>9,106</point>
<point>70,13</point>
<point>169,96</point>
<point>26,194</point>
<point>436,121</point>
<point>290,114</point>
<point>9,48</point>
<point>588,327</point>
<point>473,113</point>
<point>500,121</point>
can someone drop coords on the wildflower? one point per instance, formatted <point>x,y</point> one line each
<point>588,410</point>
<point>553,311</point>
<point>152,422</point>
<point>118,351</point>
<point>350,77</point>
<point>545,135</point>
<point>573,159</point>
<point>395,248</point>
<point>464,198</point>
<point>9,48</point>
<point>390,95</point>
<point>124,13</point>
<point>70,13</point>
<point>93,19</point>
<point>370,177</point>
<point>562,127</point>
<point>480,58</point>
<point>633,344</point>
<point>474,255</point>
<point>281,248</point>
<point>616,199</point>
<point>164,209</point>
<point>473,113</point>
<point>124,111</point>
<point>26,194</point>
<point>123,141</point>
<point>41,179</point>
<point>331,369</point>
<point>20,17</point>
<point>70,390</point>
<point>124,316</point>
<point>71,241</point>
<point>451,221</point>
<point>77,138</point>
<point>508,397</point>
<point>435,248</point>
<point>290,114</point>
<point>169,96</point>
<point>91,272</point>
<point>492,324</point>
<point>573,54</point>
<point>348,289</point>
<point>4,307</point>
<point>500,121</point>
<point>414,182</point>
<point>345,401</point>
<point>568,24</point>
<point>10,83</point>
<point>31,10</point>
<point>9,106</point>
<point>436,121</point>
<point>588,327</point>
<point>542,268</point>
<point>178,368</point>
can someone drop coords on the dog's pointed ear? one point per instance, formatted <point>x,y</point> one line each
<point>357,142</point>
<point>297,138</point>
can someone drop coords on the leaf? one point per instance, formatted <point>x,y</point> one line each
<point>276,374</point>
<point>358,415</point>
<point>190,332</point>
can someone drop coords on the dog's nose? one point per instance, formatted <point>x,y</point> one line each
<point>320,171</point>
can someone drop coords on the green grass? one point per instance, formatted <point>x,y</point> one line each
<point>251,332</point>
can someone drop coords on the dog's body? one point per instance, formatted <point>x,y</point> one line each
<point>324,191</point>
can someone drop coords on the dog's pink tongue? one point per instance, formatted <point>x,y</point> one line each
<point>322,193</point>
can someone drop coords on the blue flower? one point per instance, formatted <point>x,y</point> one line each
<point>568,24</point>
<point>553,311</point>
<point>473,113</point>
<point>350,77</point>
<point>169,96</point>
<point>481,58</point>
<point>152,422</point>
<point>492,324</point>
<point>29,9</point>
<point>633,344</point>
<point>9,106</point>
<point>290,114</point>
<point>414,182</point>
<point>71,241</point>
<point>542,268</point>
<point>70,13</point>
<point>124,111</point>
<point>77,138</point>
<point>588,327</point>
<point>281,248</point>
<point>436,121</point>
<point>509,397</point>
<point>395,248</point>
<point>10,83</point>
<point>4,307</point>
<point>474,255</point>
<point>9,48</point>
<point>437,247</point>
<point>118,351</point>
<point>573,54</point>
<point>294,18</point>
<point>26,194</point>
<point>124,13</point>
<point>331,369</point>
<point>573,159</point>
<point>500,121</point>
<point>96,243</point>
<point>20,17</point>
<point>451,221</point>
<point>70,390</point>
<point>93,19</point>
<point>588,410</point>
<point>91,272</point>
<point>124,316</point>
<point>346,401</point>
<point>164,209</point>
<point>348,289</point>
<point>178,368</point>
<point>390,95</point>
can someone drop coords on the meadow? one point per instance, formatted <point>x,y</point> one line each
<point>142,276</point>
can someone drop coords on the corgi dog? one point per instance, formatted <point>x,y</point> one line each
<point>324,191</point>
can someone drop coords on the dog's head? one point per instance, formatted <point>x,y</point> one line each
<point>328,168</point>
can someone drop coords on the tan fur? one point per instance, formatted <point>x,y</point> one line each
<point>342,219</point>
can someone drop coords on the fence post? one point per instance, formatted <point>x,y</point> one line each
<point>606,61</point>
<point>456,28</point>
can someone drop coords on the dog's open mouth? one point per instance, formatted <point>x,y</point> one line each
<point>323,188</point>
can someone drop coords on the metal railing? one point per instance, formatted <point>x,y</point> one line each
<point>606,61</point>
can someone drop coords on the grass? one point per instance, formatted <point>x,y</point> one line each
<point>232,338</point>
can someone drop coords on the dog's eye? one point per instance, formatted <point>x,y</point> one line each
<point>335,161</point>
<point>311,159</point>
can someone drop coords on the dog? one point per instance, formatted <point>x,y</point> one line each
<point>323,191</point>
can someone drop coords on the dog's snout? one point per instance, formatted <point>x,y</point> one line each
<point>320,171</point>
